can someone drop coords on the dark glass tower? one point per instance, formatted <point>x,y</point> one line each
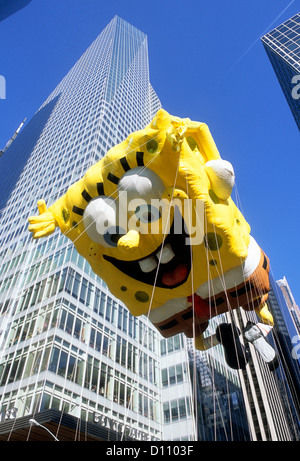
<point>288,374</point>
<point>282,45</point>
<point>9,7</point>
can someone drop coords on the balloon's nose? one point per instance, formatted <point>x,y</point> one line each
<point>129,241</point>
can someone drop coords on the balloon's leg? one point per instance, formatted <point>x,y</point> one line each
<point>256,335</point>
<point>203,344</point>
<point>228,336</point>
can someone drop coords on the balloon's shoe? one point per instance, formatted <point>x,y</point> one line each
<point>236,355</point>
<point>255,335</point>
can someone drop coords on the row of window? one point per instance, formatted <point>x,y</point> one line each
<point>175,374</point>
<point>107,343</point>
<point>71,319</point>
<point>172,344</point>
<point>102,379</point>
<point>47,395</point>
<point>88,372</point>
<point>177,409</point>
<point>26,362</point>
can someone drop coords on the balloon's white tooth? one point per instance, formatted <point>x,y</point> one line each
<point>148,264</point>
<point>166,254</point>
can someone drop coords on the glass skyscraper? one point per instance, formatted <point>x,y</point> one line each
<point>66,344</point>
<point>282,45</point>
<point>287,336</point>
<point>11,7</point>
<point>290,301</point>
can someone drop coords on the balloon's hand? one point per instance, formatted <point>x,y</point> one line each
<point>43,224</point>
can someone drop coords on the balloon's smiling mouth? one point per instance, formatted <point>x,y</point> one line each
<point>167,267</point>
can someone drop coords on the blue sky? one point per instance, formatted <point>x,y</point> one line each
<point>206,63</point>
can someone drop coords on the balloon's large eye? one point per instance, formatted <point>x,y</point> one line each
<point>112,236</point>
<point>147,213</point>
<point>141,183</point>
<point>100,222</point>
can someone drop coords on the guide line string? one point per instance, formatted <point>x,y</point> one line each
<point>157,270</point>
<point>272,377</point>
<point>26,265</point>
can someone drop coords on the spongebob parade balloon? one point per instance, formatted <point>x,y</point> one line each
<point>155,220</point>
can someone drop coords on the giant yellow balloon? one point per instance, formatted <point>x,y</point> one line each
<point>155,220</point>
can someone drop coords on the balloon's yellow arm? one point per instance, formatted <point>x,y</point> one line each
<point>43,224</point>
